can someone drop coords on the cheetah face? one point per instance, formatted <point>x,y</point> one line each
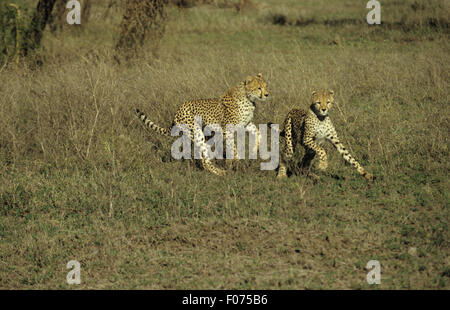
<point>256,88</point>
<point>322,102</point>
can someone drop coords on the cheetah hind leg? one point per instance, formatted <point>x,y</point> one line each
<point>199,139</point>
<point>289,147</point>
<point>207,164</point>
<point>285,161</point>
<point>282,171</point>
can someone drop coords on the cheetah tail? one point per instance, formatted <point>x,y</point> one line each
<point>148,123</point>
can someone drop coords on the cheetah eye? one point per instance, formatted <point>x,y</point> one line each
<point>328,102</point>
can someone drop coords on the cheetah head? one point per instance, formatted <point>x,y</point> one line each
<point>322,102</point>
<point>256,88</point>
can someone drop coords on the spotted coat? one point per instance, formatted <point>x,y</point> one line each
<point>235,107</point>
<point>311,129</point>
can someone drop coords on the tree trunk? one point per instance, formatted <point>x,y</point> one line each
<point>58,17</point>
<point>143,21</point>
<point>38,22</point>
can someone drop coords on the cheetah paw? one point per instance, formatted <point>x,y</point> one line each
<point>281,176</point>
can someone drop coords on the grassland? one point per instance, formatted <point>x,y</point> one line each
<point>81,178</point>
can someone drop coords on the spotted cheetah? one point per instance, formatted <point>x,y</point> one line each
<point>311,129</point>
<point>235,107</point>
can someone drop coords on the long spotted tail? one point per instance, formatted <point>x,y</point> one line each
<point>148,123</point>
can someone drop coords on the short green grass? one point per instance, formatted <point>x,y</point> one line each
<point>82,179</point>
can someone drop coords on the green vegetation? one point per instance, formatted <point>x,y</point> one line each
<point>82,179</point>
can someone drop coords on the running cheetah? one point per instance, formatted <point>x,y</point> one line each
<point>235,107</point>
<point>311,129</point>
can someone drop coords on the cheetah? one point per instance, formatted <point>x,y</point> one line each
<point>311,129</point>
<point>235,107</point>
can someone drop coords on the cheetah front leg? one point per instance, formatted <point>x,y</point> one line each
<point>253,133</point>
<point>333,138</point>
<point>230,145</point>
<point>313,148</point>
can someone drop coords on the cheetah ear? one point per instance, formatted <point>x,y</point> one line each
<point>313,93</point>
<point>259,75</point>
<point>331,92</point>
<point>248,79</point>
